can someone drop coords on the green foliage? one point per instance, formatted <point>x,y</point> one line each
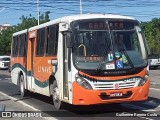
<point>44,17</point>
<point>5,41</point>
<point>26,22</point>
<point>152,33</point>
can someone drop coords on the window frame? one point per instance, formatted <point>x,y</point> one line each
<point>15,46</point>
<point>22,42</point>
<point>39,38</point>
<point>54,40</point>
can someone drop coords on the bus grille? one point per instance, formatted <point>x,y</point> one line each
<point>114,85</point>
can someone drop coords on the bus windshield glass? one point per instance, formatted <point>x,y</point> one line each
<point>108,44</point>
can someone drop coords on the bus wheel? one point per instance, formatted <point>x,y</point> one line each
<point>55,96</point>
<point>23,91</point>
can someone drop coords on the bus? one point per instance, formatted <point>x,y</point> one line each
<point>82,60</point>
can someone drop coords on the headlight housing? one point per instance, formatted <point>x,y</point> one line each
<point>144,79</point>
<point>82,82</point>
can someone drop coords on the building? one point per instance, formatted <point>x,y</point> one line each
<point>4,27</point>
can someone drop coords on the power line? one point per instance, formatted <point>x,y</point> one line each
<point>66,7</point>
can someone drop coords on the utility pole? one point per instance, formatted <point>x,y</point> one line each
<point>80,6</point>
<point>38,10</point>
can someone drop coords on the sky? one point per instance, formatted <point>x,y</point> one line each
<point>142,10</point>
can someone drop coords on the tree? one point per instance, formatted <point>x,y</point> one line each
<point>44,17</point>
<point>26,22</point>
<point>152,33</point>
<point>5,41</point>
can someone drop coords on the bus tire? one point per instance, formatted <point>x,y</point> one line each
<point>23,91</point>
<point>58,104</point>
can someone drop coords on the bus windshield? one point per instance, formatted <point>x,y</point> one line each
<point>108,45</point>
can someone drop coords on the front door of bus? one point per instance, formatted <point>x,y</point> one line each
<point>65,69</point>
<point>32,62</point>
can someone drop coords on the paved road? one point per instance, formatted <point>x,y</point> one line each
<point>155,78</point>
<point>144,110</point>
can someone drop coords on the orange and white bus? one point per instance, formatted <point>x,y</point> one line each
<point>82,60</point>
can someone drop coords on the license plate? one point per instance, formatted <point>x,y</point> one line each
<point>116,94</point>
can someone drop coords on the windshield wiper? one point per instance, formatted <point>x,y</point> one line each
<point>123,49</point>
<point>107,49</point>
<point>105,53</point>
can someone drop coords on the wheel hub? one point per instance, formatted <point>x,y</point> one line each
<point>56,94</point>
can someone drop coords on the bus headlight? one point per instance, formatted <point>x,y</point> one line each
<point>144,79</point>
<point>82,82</point>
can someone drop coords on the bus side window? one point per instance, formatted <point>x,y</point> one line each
<point>40,42</point>
<point>22,45</point>
<point>15,46</point>
<point>52,40</point>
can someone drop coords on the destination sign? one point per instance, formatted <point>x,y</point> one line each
<point>102,25</point>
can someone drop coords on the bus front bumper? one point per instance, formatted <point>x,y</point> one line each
<point>83,96</point>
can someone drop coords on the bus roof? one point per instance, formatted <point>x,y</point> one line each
<point>68,19</point>
<point>94,16</point>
